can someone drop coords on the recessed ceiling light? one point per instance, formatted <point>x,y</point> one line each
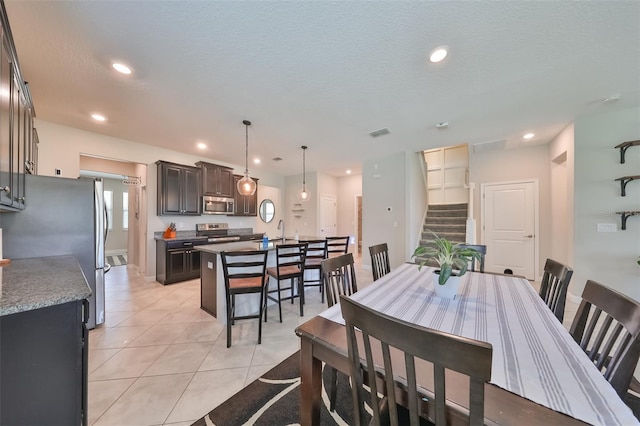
<point>528,136</point>
<point>98,117</point>
<point>121,68</point>
<point>201,145</point>
<point>349,171</point>
<point>438,54</point>
<point>256,161</point>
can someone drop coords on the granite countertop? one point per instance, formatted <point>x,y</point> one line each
<point>35,283</point>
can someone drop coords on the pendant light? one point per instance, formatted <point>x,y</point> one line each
<point>303,194</point>
<point>246,185</point>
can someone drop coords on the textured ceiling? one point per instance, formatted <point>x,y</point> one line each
<point>325,74</point>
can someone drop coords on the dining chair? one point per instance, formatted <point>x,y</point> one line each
<point>444,351</point>
<point>554,285</point>
<point>316,252</point>
<point>289,266</point>
<point>244,273</point>
<point>337,246</point>
<point>339,277</point>
<point>482,249</point>
<point>379,260</point>
<point>613,342</point>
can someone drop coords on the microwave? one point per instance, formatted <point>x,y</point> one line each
<point>217,205</point>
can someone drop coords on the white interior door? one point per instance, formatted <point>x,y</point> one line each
<point>509,227</point>
<point>328,216</point>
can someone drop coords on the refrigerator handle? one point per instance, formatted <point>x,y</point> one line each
<point>106,224</point>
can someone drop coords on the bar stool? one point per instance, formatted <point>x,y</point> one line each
<point>244,273</point>
<point>289,266</point>
<point>315,253</point>
<point>337,246</point>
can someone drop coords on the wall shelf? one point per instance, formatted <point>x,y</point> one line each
<point>624,146</point>
<point>624,180</point>
<point>626,215</point>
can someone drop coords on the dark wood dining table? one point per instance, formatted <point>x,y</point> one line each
<point>323,339</point>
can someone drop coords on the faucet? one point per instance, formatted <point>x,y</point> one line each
<point>281,226</point>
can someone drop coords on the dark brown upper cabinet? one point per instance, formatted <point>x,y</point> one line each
<point>179,189</point>
<point>244,205</point>
<point>217,181</point>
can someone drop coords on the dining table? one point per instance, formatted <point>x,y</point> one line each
<point>540,375</point>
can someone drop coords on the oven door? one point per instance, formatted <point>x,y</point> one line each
<point>217,205</point>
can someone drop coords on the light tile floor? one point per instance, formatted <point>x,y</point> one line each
<point>159,359</point>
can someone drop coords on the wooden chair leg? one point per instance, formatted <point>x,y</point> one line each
<point>228,322</point>
<point>333,390</point>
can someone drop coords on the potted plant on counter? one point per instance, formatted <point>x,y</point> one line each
<point>453,260</point>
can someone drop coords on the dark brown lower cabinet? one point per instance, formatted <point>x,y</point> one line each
<point>177,261</point>
<point>43,365</point>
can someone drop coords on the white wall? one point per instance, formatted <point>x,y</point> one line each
<point>118,236</point>
<point>384,195</point>
<point>561,161</point>
<point>271,228</point>
<point>61,146</point>
<point>348,188</point>
<point>417,201</point>
<point>609,258</point>
<point>306,224</point>
<point>516,164</point>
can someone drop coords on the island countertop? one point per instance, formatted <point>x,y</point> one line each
<point>35,283</point>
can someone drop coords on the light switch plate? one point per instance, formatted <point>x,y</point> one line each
<point>606,227</point>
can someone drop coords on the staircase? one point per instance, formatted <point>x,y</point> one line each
<point>447,221</point>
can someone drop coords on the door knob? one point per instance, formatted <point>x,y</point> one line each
<point>528,236</point>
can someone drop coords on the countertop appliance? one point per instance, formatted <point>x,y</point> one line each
<point>215,232</point>
<point>63,216</point>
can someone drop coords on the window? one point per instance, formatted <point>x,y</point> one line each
<point>108,202</point>
<point>125,210</point>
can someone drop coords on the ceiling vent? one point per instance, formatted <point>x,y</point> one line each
<point>486,146</point>
<point>378,133</point>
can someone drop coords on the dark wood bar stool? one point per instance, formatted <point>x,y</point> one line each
<point>316,252</point>
<point>482,249</point>
<point>289,266</point>
<point>244,273</point>
<point>337,246</point>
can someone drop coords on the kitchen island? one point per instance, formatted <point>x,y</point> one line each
<point>212,291</point>
<point>44,341</point>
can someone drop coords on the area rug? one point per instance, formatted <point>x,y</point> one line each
<point>117,260</point>
<point>274,400</point>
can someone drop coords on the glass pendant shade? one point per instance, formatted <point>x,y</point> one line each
<point>303,194</point>
<point>246,185</point>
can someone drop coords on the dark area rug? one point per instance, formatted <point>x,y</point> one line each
<point>274,400</point>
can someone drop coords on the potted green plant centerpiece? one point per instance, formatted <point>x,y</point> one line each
<point>453,260</point>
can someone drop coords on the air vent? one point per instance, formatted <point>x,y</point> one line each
<point>378,133</point>
<point>277,158</point>
<point>486,146</point>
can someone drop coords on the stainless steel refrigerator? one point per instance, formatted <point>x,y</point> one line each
<point>62,217</point>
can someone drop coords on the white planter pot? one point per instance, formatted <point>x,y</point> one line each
<point>449,290</point>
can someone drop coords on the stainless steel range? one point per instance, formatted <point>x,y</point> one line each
<point>215,232</point>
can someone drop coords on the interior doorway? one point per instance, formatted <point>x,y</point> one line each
<point>124,185</point>
<point>328,215</point>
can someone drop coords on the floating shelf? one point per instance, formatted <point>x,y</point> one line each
<point>624,146</point>
<point>626,215</point>
<point>624,180</point>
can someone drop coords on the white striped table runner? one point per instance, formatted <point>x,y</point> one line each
<point>533,354</point>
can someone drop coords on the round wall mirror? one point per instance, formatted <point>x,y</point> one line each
<point>267,210</point>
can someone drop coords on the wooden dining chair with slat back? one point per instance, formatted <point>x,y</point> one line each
<point>444,351</point>
<point>339,277</point>
<point>554,286</point>
<point>289,266</point>
<point>244,273</point>
<point>482,249</point>
<point>316,252</point>
<point>379,260</point>
<point>337,246</point>
<point>612,342</point>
